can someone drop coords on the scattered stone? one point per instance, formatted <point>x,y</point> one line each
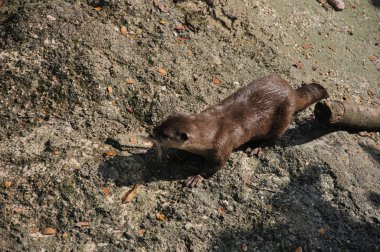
<point>111,153</point>
<point>109,89</point>
<point>160,217</point>
<point>321,231</point>
<point>163,22</point>
<point>188,225</point>
<point>161,70</point>
<point>338,5</point>
<point>141,232</point>
<point>216,81</point>
<point>106,191</point>
<point>332,48</point>
<point>307,46</point>
<point>83,224</point>
<point>131,194</point>
<point>7,184</point>
<point>179,27</point>
<point>298,65</point>
<point>129,109</point>
<point>19,210</point>
<point>48,231</point>
<point>123,30</point>
<point>158,4</point>
<point>373,58</point>
<point>221,210</point>
<point>51,18</point>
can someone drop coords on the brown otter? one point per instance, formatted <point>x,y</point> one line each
<point>262,110</point>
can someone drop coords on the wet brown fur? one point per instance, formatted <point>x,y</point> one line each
<point>262,110</point>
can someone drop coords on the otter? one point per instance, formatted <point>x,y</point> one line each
<point>260,111</point>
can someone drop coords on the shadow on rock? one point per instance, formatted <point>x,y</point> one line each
<point>302,217</point>
<point>147,167</point>
<point>305,132</point>
<point>374,198</point>
<point>301,134</point>
<point>177,165</point>
<point>373,153</point>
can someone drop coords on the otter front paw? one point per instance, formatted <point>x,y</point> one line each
<point>253,152</point>
<point>193,180</point>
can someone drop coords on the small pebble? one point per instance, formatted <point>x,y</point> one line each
<point>188,226</point>
<point>51,18</point>
<point>338,5</point>
<point>48,231</point>
<point>124,31</point>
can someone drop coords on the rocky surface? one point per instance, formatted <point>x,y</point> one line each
<point>77,90</point>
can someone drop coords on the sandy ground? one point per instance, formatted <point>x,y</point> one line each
<point>77,90</point>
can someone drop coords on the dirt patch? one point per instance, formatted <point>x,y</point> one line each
<point>72,84</point>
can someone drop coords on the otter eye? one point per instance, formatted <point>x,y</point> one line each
<point>183,136</point>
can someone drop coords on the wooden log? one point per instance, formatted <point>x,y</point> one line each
<point>348,115</point>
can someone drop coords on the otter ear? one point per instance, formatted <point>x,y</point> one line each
<point>183,136</point>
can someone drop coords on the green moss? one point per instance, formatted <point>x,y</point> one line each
<point>68,189</point>
<point>200,98</point>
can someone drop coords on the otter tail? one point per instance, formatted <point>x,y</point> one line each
<point>309,94</point>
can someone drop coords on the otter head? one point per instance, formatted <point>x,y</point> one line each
<point>173,132</point>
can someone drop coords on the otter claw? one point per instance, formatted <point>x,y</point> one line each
<point>253,152</point>
<point>193,180</point>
